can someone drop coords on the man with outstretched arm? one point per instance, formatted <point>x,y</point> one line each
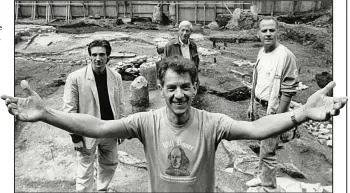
<point>179,140</point>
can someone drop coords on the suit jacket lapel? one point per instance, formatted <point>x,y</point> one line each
<point>92,84</point>
<point>110,85</point>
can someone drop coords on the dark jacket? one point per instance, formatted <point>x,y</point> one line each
<point>173,48</point>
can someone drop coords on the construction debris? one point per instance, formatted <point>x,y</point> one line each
<point>238,94</point>
<point>237,37</point>
<point>243,63</point>
<point>207,52</point>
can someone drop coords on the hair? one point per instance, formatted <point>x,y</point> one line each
<point>180,65</point>
<point>268,18</point>
<point>185,23</point>
<point>100,43</point>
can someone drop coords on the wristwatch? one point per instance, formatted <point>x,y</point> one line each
<point>292,116</point>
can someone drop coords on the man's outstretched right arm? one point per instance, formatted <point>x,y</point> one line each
<point>33,109</point>
<point>85,125</point>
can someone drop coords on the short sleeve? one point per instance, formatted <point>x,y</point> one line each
<point>289,77</point>
<point>224,123</point>
<point>136,124</point>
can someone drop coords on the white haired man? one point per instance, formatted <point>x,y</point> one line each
<point>182,45</point>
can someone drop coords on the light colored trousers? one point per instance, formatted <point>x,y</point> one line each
<point>107,161</point>
<point>268,159</point>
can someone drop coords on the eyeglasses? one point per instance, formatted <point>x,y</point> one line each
<point>100,54</point>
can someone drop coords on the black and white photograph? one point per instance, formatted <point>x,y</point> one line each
<point>174,96</point>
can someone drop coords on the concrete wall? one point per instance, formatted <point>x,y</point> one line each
<point>190,11</point>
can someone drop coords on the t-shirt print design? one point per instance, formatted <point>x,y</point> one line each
<point>179,162</point>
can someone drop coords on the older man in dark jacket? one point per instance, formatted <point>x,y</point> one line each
<point>182,45</point>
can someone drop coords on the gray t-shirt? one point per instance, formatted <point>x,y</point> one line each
<point>179,158</point>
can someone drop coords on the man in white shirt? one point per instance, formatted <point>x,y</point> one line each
<point>274,83</point>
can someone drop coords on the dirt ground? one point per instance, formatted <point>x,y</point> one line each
<point>45,159</point>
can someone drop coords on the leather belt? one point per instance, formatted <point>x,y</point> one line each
<point>262,101</point>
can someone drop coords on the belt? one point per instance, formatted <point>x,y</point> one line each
<point>262,101</point>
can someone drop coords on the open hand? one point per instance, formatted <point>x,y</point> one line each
<point>320,107</point>
<point>28,109</point>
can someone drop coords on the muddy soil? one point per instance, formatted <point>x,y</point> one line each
<point>44,157</point>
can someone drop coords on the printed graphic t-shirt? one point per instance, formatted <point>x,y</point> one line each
<point>179,159</point>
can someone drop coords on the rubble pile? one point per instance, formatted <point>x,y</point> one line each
<point>323,131</point>
<point>237,94</point>
<point>213,25</point>
<point>207,52</point>
<point>238,20</point>
<point>130,69</point>
<point>242,19</point>
<point>222,19</point>
<point>304,34</point>
<point>26,32</point>
<point>236,37</point>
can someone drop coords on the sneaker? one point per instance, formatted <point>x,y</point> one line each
<point>254,182</point>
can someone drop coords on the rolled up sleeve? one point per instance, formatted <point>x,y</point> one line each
<point>290,80</point>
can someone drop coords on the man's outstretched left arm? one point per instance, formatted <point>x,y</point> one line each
<point>319,107</point>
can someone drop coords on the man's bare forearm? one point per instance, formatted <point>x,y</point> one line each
<point>266,126</point>
<point>85,125</point>
<point>273,125</point>
<point>284,104</point>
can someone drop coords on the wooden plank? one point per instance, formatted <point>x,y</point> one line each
<point>292,9</point>
<point>315,7</point>
<point>177,13</point>
<point>116,8</point>
<point>204,14</point>
<point>125,2</point>
<point>47,12</point>
<point>66,13</point>
<point>84,9</point>
<point>131,13</point>
<point>35,10</point>
<point>70,12</point>
<point>143,8</point>
<point>87,7</point>
<point>52,13</point>
<point>33,14</point>
<point>17,8</point>
<point>104,9</point>
<point>228,9</point>
<point>215,12</point>
<point>272,7</point>
<point>195,12</point>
